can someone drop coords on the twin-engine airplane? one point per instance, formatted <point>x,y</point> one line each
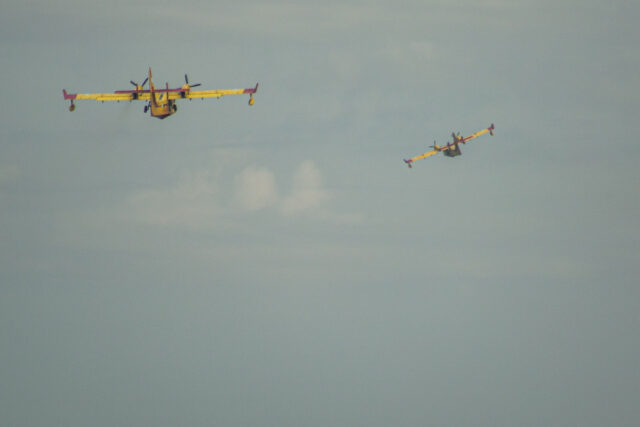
<point>452,149</point>
<point>161,102</point>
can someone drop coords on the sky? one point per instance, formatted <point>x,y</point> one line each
<point>279,265</point>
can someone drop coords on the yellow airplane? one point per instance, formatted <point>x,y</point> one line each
<point>452,149</point>
<point>161,102</point>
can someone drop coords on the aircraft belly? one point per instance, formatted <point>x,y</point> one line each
<point>160,112</point>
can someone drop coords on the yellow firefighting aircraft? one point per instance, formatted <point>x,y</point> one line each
<point>161,102</point>
<point>452,149</point>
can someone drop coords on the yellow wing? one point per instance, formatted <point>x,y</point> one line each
<point>194,94</point>
<point>114,96</point>
<point>425,155</point>
<point>145,96</point>
<point>422,156</point>
<point>480,133</point>
<point>105,96</point>
<point>187,93</point>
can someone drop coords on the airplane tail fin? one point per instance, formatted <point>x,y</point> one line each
<point>152,90</point>
<point>408,162</point>
<point>491,128</point>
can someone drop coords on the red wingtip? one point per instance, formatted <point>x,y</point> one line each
<point>68,95</point>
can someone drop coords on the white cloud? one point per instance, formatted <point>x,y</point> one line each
<point>308,193</point>
<point>192,202</point>
<point>200,199</point>
<point>255,188</point>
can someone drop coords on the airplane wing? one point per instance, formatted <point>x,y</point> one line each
<point>145,95</point>
<point>453,146</point>
<point>218,93</point>
<point>477,134</point>
<point>425,155</point>
<point>432,152</point>
<point>428,153</point>
<point>422,156</point>
<point>115,96</point>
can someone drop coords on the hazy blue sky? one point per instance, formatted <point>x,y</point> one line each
<point>278,265</point>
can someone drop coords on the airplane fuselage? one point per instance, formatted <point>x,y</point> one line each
<point>162,107</point>
<point>453,151</point>
<point>160,104</point>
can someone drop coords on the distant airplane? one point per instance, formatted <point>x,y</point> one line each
<point>452,149</point>
<point>161,102</point>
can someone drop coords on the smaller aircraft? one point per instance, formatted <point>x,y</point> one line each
<point>452,149</point>
<point>161,102</point>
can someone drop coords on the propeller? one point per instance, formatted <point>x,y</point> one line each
<point>136,84</point>
<point>186,80</point>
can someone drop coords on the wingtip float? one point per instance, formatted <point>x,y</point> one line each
<point>452,149</point>
<point>160,102</point>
